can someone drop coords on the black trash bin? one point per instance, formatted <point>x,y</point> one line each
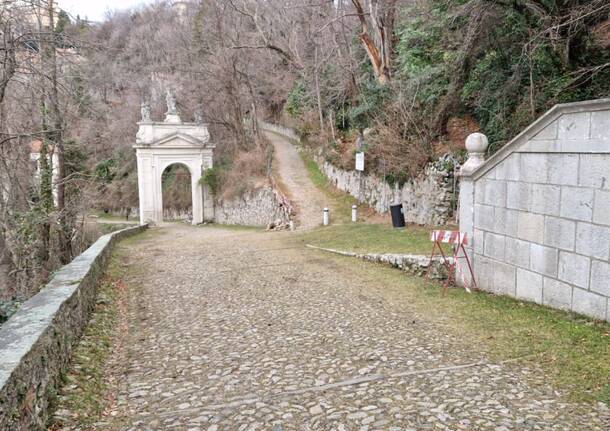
<point>398,216</point>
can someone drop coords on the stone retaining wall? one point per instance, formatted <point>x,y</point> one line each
<point>36,342</point>
<point>262,207</point>
<point>427,199</point>
<point>170,214</point>
<point>538,212</point>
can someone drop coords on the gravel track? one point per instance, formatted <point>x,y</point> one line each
<point>307,198</point>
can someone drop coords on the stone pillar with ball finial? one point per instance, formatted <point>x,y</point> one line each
<point>476,145</point>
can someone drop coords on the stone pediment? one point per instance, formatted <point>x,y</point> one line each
<point>161,134</point>
<point>178,140</point>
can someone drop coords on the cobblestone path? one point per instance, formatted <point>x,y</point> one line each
<point>241,330</point>
<point>307,198</point>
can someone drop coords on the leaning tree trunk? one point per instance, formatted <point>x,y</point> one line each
<point>377,38</point>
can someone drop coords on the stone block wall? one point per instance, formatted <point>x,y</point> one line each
<point>538,212</point>
<point>36,342</point>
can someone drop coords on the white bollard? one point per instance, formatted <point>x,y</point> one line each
<point>326,218</point>
<point>354,213</point>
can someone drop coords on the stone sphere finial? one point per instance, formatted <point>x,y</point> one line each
<point>476,143</point>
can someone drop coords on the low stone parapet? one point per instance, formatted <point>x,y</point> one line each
<point>36,342</point>
<point>538,210</point>
<point>415,264</point>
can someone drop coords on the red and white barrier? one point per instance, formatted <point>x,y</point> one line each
<point>449,237</point>
<point>458,240</point>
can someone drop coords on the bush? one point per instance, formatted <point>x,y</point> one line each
<point>298,101</point>
<point>104,171</point>
<point>211,179</point>
<point>369,104</point>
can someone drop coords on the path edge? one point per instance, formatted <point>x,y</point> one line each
<point>36,343</point>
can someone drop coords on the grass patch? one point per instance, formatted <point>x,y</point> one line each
<point>341,202</point>
<point>572,350</point>
<point>81,399</point>
<point>101,215</point>
<point>371,238</point>
<point>315,174</point>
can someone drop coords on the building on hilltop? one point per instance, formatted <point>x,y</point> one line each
<point>34,13</point>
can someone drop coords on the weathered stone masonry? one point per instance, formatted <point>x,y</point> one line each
<point>260,207</point>
<point>36,342</point>
<point>426,199</point>
<point>538,212</point>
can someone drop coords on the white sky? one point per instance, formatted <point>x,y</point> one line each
<point>96,9</point>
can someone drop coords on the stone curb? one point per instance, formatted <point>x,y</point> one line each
<point>416,264</point>
<point>36,342</point>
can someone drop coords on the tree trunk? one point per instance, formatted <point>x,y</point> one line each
<point>378,46</point>
<point>316,73</point>
<point>65,252</point>
<point>45,169</point>
<point>375,58</point>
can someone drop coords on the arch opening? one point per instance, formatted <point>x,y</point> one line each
<point>177,193</point>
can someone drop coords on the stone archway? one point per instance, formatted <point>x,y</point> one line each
<point>161,144</point>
